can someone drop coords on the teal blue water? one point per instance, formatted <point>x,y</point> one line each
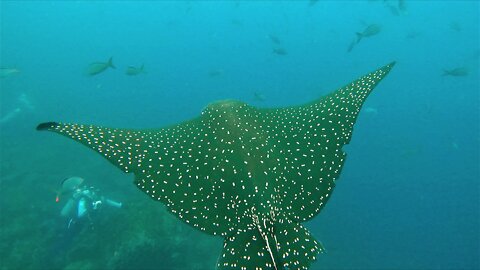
<point>409,194</point>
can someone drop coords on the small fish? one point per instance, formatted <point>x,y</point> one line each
<point>455,145</point>
<point>371,110</point>
<point>393,9</point>
<point>280,51</point>
<point>132,71</point>
<point>399,9</point>
<point>371,30</point>
<point>402,6</point>
<point>99,67</point>
<point>25,102</point>
<point>410,151</point>
<point>236,22</point>
<point>215,73</point>
<point>259,96</point>
<point>10,115</point>
<point>8,72</point>
<point>456,72</point>
<point>455,26</point>
<point>312,2</point>
<point>275,39</point>
<point>352,45</point>
<point>413,34</point>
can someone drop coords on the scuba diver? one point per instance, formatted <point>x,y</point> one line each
<point>83,202</point>
<point>83,207</point>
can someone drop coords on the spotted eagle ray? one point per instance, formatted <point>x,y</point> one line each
<point>251,175</point>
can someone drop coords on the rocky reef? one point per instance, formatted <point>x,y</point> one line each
<point>141,235</point>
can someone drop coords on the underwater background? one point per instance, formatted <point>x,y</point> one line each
<point>408,196</point>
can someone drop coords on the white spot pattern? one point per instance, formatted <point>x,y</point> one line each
<point>248,174</point>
